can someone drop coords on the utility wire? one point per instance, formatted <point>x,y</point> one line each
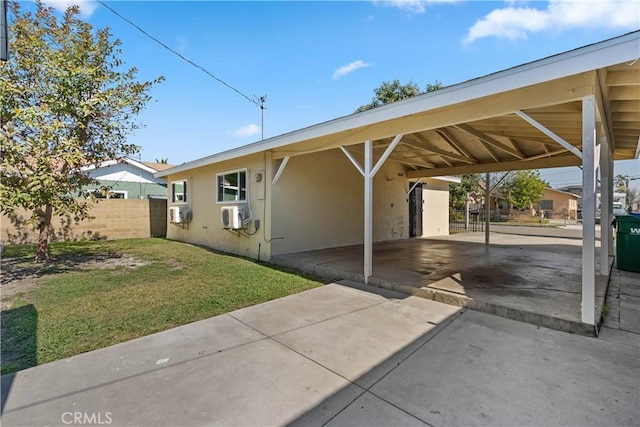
<point>257,102</point>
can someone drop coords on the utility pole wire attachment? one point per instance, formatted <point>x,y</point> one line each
<point>260,101</point>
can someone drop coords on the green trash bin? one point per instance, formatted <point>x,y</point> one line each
<point>627,242</point>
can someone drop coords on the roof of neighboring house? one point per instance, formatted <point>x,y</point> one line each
<point>497,122</point>
<point>146,166</point>
<point>158,166</point>
<point>567,193</point>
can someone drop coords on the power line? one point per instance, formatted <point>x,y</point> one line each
<point>259,102</point>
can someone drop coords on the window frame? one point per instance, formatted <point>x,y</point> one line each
<point>246,187</point>
<point>185,192</point>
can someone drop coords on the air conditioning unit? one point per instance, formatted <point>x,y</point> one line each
<point>232,217</point>
<point>178,214</point>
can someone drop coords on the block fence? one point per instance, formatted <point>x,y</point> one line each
<point>112,219</point>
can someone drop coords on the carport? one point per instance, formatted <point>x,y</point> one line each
<point>579,108</point>
<point>313,188</point>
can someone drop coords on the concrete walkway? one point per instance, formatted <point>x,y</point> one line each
<point>622,322</point>
<point>341,354</point>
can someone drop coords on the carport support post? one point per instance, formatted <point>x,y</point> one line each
<point>487,206</point>
<point>588,209</point>
<point>605,206</point>
<point>368,210</point>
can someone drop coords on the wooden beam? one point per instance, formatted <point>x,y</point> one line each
<point>551,162</point>
<point>399,158</point>
<point>428,147</point>
<point>515,147</point>
<point>549,133</point>
<point>445,161</point>
<point>623,78</point>
<point>546,154</point>
<point>492,153</point>
<point>452,141</point>
<point>489,140</point>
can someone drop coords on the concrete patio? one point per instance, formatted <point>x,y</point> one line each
<point>535,279</point>
<point>341,354</point>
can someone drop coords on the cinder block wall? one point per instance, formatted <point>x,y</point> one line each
<point>113,219</point>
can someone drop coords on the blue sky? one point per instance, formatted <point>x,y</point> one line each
<point>316,61</point>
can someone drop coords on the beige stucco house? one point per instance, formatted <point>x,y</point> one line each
<point>348,181</point>
<point>558,204</point>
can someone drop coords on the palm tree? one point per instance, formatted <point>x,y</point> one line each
<point>164,160</point>
<point>621,182</point>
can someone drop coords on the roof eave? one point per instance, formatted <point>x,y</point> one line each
<point>599,55</point>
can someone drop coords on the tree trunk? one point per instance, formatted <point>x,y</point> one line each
<point>43,237</point>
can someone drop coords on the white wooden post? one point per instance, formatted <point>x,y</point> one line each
<point>487,204</point>
<point>368,210</point>
<point>606,186</point>
<point>368,172</point>
<point>588,209</point>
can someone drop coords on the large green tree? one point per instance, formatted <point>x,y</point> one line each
<point>394,91</point>
<point>524,188</point>
<point>458,192</point>
<point>67,102</point>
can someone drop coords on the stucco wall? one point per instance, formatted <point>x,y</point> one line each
<point>113,219</point>
<point>205,227</point>
<point>564,205</point>
<point>318,203</point>
<point>435,215</point>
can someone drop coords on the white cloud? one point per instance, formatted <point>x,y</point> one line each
<point>515,23</point>
<point>87,7</point>
<point>411,6</point>
<point>349,68</point>
<point>245,131</point>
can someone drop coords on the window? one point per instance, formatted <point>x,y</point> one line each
<point>545,205</point>
<point>179,192</point>
<point>232,186</point>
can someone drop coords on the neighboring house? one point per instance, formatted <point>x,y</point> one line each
<point>128,179</point>
<point>557,204</point>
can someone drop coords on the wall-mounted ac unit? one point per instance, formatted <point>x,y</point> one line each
<point>231,217</point>
<point>178,214</point>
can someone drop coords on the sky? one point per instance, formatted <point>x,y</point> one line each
<point>317,61</point>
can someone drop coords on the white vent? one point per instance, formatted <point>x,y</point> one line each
<point>179,214</point>
<point>231,217</point>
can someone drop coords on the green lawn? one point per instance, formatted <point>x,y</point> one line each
<point>95,294</point>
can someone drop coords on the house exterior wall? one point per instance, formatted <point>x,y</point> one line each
<point>564,205</point>
<point>435,213</point>
<point>205,227</point>
<point>319,203</point>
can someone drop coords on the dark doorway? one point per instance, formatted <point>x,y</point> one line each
<point>415,212</point>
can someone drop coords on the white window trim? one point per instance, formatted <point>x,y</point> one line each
<point>186,193</point>
<point>231,202</point>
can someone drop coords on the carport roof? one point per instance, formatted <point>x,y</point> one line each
<point>525,117</point>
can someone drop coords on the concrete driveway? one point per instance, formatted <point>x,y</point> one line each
<point>338,355</point>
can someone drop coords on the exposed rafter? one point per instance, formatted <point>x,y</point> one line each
<point>428,147</point>
<point>452,141</point>
<point>489,140</point>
